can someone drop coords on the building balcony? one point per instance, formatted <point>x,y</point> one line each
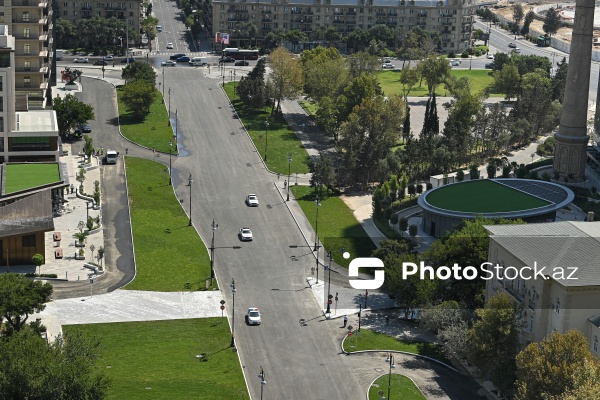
<point>338,13</point>
<point>31,70</point>
<point>306,29</point>
<point>266,28</point>
<point>392,14</point>
<point>350,12</point>
<point>86,8</point>
<point>338,21</point>
<point>267,19</point>
<point>308,13</point>
<point>43,21</point>
<point>351,21</point>
<point>266,11</point>
<point>296,12</point>
<point>29,3</point>
<point>447,23</point>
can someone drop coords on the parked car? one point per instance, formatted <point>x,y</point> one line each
<point>169,63</point>
<point>388,66</point>
<point>85,128</point>
<point>129,60</point>
<point>243,63</point>
<point>226,59</point>
<point>184,59</point>
<point>512,45</point>
<point>176,56</point>
<point>81,60</point>
<point>490,56</point>
<point>489,65</point>
<point>100,62</point>
<point>454,63</point>
<point>169,45</point>
<point>108,58</point>
<point>517,50</point>
<point>158,28</point>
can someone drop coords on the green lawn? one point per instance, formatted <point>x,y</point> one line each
<point>482,196</point>
<point>281,138</point>
<point>337,226</point>
<point>157,359</point>
<point>480,79</point>
<point>154,131</point>
<point>169,254</point>
<point>370,340</point>
<point>399,386</point>
<point>309,106</point>
<point>29,175</point>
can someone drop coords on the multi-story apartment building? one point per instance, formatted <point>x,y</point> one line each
<point>130,10</point>
<point>565,294</point>
<point>452,19</point>
<point>24,136</point>
<point>29,22</point>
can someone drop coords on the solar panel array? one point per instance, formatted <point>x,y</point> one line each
<point>551,193</point>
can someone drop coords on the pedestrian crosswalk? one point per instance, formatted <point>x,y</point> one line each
<point>189,54</point>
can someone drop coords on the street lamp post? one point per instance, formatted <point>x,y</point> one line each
<point>190,185</point>
<point>391,361</point>
<point>176,124</point>
<point>263,382</point>
<point>170,146</point>
<point>328,311</point>
<point>163,85</point>
<point>317,237</point>
<point>234,90</point>
<point>233,290</point>
<point>212,251</point>
<point>7,261</point>
<point>289,175</point>
<point>169,124</point>
<point>266,138</point>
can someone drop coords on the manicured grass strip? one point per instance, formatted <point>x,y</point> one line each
<point>479,80</point>
<point>29,175</point>
<point>400,388</point>
<point>309,107</point>
<point>337,226</point>
<point>169,254</point>
<point>281,138</point>
<point>153,131</point>
<point>482,196</point>
<point>157,359</point>
<point>371,340</point>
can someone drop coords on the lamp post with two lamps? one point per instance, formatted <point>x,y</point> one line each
<point>190,181</point>
<point>233,290</point>
<point>289,181</point>
<point>169,123</point>
<point>317,236</point>
<point>263,382</point>
<point>170,146</point>
<point>329,295</point>
<point>163,85</point>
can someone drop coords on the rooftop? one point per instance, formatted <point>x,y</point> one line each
<point>36,121</point>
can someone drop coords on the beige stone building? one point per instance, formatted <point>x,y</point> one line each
<point>452,19</point>
<point>564,294</point>
<point>29,22</point>
<point>25,136</point>
<point>130,10</point>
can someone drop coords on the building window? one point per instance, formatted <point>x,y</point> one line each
<point>595,344</point>
<point>2,15</point>
<point>27,49</point>
<point>27,65</point>
<point>1,124</point>
<point>131,14</point>
<point>4,61</point>
<point>26,33</point>
<point>28,240</point>
<point>65,13</point>
<point>557,308</point>
<point>25,16</point>
<point>1,86</point>
<point>27,81</point>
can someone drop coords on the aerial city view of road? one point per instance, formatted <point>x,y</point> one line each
<point>299,200</point>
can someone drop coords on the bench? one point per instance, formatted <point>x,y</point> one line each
<point>90,266</point>
<point>58,253</point>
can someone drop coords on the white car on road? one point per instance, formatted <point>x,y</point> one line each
<point>169,45</point>
<point>454,63</point>
<point>245,234</point>
<point>168,63</point>
<point>388,66</point>
<point>490,56</point>
<point>253,316</point>
<point>82,60</point>
<point>252,200</point>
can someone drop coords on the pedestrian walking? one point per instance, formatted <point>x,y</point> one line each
<point>285,184</point>
<point>345,320</point>
<point>72,188</point>
<point>387,320</point>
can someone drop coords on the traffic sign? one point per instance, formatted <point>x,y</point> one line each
<point>349,333</point>
<point>329,302</point>
<point>222,302</point>
<point>222,308</point>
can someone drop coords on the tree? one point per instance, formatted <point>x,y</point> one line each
<point>327,117</point>
<point>332,35</point>
<point>100,255</point>
<point>149,28</point>
<point>403,225</point>
<point>363,63</point>
<point>88,147</point>
<point>285,80</point>
<point>559,81</point>
<point>360,88</point>
<point>38,260</point>
<point>19,297</point>
<point>138,97</point>
<point>139,71</point>
<point>71,113</point>
<point>65,369</point>
<point>324,72</point>
<point>323,173</point>
<point>517,13</point>
<point>296,36</point>
<point>494,340</point>
<point>413,230</point>
<point>507,80</point>
<point>552,21</point>
<point>434,70</point>
<point>408,78</point>
<point>552,367</point>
